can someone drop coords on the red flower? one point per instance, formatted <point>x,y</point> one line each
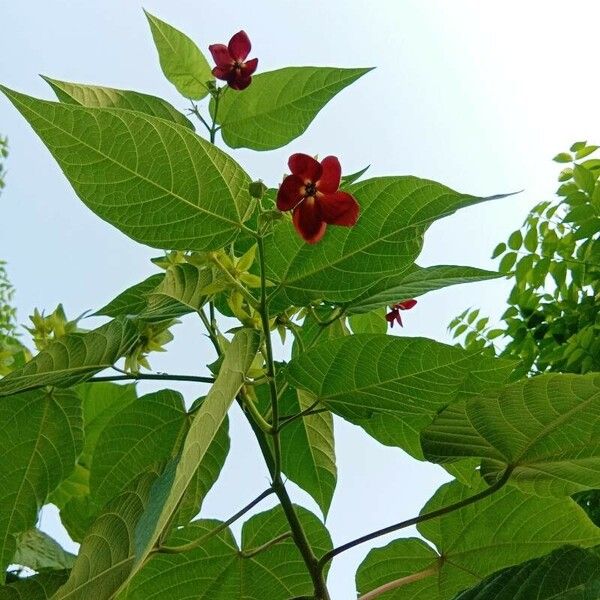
<point>311,193</point>
<point>232,66</point>
<point>394,314</point>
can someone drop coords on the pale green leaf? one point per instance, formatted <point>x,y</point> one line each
<point>568,573</point>
<point>133,300</point>
<point>370,322</point>
<point>106,555</point>
<point>38,587</point>
<point>180,59</point>
<point>547,429</point>
<point>38,551</point>
<point>172,485</point>
<point>416,282</point>
<point>104,97</point>
<point>218,571</point>
<point>308,448</point>
<point>414,379</point>
<point>278,106</point>
<point>73,358</point>
<point>395,213</point>
<point>158,182</point>
<point>41,439</point>
<point>502,530</point>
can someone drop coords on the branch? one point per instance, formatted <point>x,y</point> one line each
<point>398,583</point>
<point>266,546</point>
<point>415,520</point>
<point>197,543</point>
<point>153,377</point>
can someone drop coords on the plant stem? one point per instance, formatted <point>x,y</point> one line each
<point>419,519</point>
<point>153,377</point>
<point>197,543</point>
<point>398,583</point>
<point>251,407</point>
<point>264,316</point>
<point>307,411</point>
<point>266,546</point>
<point>194,111</point>
<point>213,128</point>
<point>236,284</point>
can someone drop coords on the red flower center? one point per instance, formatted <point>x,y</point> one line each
<point>310,189</point>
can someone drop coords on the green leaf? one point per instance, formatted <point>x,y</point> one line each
<point>531,240</point>
<point>395,212</point>
<point>578,146</point>
<point>73,358</point>
<point>507,262</point>
<point>38,551</point>
<point>41,439</point>
<point>180,59</point>
<point>218,569</point>
<point>279,105</point>
<point>180,292</point>
<point>568,573</point>
<point>106,555</point>
<point>100,401</point>
<point>104,97</point>
<point>583,152</point>
<point>133,300</point>
<point>371,322</point>
<point>142,434</point>
<point>352,177</point>
<point>308,448</point>
<point>39,587</point>
<point>499,249</point>
<point>171,487</point>
<point>159,183</point>
<point>563,157</point>
<point>544,428</point>
<point>504,529</point>
<point>515,240</point>
<point>584,178</point>
<point>414,379</point>
<point>418,281</point>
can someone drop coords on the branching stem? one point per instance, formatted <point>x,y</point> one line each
<point>266,546</point>
<point>151,377</point>
<point>398,583</point>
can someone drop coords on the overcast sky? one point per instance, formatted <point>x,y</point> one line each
<point>476,95</point>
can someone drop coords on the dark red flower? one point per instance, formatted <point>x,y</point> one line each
<point>232,65</point>
<point>394,314</point>
<point>311,193</point>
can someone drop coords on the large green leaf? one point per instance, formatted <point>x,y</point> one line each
<point>145,434</point>
<point>218,570</point>
<point>133,300</point>
<point>568,573</point>
<point>104,97</point>
<point>137,437</point>
<point>547,429</point>
<point>73,358</point>
<point>308,448</point>
<point>39,552</point>
<point>172,485</point>
<point>41,439</point>
<point>279,105</point>
<point>395,212</point>
<point>369,322</point>
<point>156,181</point>
<point>392,386</point>
<point>504,529</point>
<point>38,587</point>
<point>107,553</point>
<point>180,59</point>
<point>418,281</point>
<point>100,401</point>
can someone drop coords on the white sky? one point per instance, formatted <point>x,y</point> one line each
<point>476,95</point>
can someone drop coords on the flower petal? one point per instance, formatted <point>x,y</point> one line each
<point>406,304</point>
<point>307,221</point>
<point>332,173</point>
<point>239,46</point>
<point>306,167</point>
<point>339,209</point>
<point>249,67</point>
<point>290,192</point>
<point>222,73</point>
<point>239,82</point>
<point>220,55</point>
